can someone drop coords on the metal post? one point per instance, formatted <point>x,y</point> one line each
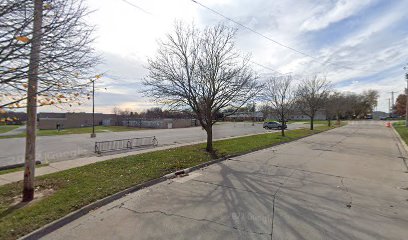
<point>406,102</point>
<point>253,113</point>
<point>93,110</point>
<point>392,99</point>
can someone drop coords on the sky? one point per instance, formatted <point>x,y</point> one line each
<point>357,45</point>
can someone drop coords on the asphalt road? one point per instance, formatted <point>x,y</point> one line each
<point>348,183</point>
<point>66,147</point>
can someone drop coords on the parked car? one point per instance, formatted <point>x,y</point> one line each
<point>274,125</point>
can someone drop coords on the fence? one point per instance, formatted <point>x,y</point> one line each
<point>124,144</point>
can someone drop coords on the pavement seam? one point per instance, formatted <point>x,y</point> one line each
<point>190,218</point>
<point>54,167</point>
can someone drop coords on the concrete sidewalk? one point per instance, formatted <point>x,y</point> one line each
<point>64,165</point>
<point>72,146</point>
<point>347,183</point>
<point>16,131</point>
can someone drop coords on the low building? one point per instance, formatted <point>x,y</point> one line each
<point>379,114</point>
<point>77,120</point>
<point>298,115</point>
<point>73,120</point>
<point>320,115</point>
<point>160,123</point>
<point>245,116</point>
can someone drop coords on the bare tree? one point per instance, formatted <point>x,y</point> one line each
<point>334,107</point>
<point>45,57</point>
<point>281,97</point>
<point>266,110</point>
<point>202,71</point>
<point>65,56</point>
<point>311,96</point>
<point>359,105</point>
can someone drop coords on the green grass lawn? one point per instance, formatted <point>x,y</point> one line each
<point>402,130</point>
<point>98,129</point>
<point>7,128</point>
<point>74,188</point>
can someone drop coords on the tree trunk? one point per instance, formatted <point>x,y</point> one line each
<point>283,126</point>
<point>311,122</point>
<point>209,147</point>
<point>329,122</point>
<point>29,165</point>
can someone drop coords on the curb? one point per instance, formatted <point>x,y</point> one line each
<point>16,165</point>
<point>50,227</point>
<point>41,232</point>
<point>404,145</point>
<point>400,139</point>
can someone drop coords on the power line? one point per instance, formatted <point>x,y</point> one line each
<point>271,69</point>
<point>141,9</point>
<point>135,6</point>
<point>261,65</point>
<point>272,40</point>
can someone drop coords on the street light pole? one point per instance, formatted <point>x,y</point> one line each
<point>389,107</point>
<point>253,113</point>
<point>93,110</point>
<point>406,102</point>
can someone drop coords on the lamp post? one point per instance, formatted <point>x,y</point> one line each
<point>93,110</point>
<point>406,102</point>
<point>253,113</point>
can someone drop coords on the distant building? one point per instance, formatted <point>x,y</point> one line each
<point>298,115</point>
<point>245,116</point>
<point>49,120</point>
<point>160,123</point>
<point>77,120</point>
<point>379,114</point>
<point>320,115</point>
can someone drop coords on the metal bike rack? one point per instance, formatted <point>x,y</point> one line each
<point>124,144</point>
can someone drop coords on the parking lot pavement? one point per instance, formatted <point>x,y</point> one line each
<point>66,147</point>
<point>347,183</point>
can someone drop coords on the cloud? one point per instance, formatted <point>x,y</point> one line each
<point>358,44</point>
<point>326,14</point>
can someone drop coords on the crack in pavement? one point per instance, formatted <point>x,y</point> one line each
<point>194,219</point>
<point>347,192</point>
<point>240,189</point>
<point>274,198</point>
<point>290,175</point>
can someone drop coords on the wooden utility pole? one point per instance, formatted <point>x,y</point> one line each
<point>29,166</point>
